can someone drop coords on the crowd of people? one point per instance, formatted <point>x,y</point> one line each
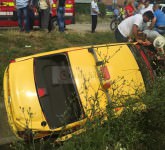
<point>139,18</point>
<point>27,8</point>
<point>143,22</point>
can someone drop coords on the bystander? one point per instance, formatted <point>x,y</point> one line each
<point>22,7</point>
<point>130,27</point>
<point>60,14</point>
<point>44,14</point>
<point>94,13</point>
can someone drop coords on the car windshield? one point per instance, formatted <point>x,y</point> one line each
<point>56,90</point>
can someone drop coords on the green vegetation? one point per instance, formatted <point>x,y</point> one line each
<point>134,129</point>
<point>83,13</point>
<point>85,8</point>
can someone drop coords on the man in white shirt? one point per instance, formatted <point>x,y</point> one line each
<point>147,7</point>
<point>131,25</point>
<point>94,13</point>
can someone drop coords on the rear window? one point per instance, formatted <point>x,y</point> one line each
<point>56,90</point>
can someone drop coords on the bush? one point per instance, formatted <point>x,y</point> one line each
<point>134,129</point>
<point>82,8</point>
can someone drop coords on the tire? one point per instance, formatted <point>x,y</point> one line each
<point>113,24</point>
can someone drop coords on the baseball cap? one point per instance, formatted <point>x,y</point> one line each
<point>159,42</point>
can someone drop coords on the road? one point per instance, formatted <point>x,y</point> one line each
<point>86,27</point>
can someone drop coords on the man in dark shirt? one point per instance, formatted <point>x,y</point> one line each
<point>60,14</point>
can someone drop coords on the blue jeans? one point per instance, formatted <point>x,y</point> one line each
<point>60,16</point>
<point>23,19</point>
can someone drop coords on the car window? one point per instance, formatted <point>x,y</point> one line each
<point>56,90</point>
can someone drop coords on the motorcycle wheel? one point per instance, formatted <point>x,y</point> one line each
<point>113,24</point>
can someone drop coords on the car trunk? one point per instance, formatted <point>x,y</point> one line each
<point>56,90</point>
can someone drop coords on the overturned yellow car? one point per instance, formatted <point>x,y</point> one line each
<point>53,93</point>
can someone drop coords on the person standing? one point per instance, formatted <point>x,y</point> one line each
<point>44,14</point>
<point>31,14</point>
<point>131,25</point>
<point>94,13</point>
<point>129,8</point>
<point>22,7</point>
<point>60,5</point>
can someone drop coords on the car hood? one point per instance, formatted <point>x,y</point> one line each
<point>26,110</point>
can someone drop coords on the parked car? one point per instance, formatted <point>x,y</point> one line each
<point>53,93</point>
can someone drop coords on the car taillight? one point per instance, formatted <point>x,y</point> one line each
<point>106,77</point>
<point>42,92</point>
<point>12,61</point>
<point>105,73</point>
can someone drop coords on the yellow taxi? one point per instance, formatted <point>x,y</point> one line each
<point>53,93</point>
